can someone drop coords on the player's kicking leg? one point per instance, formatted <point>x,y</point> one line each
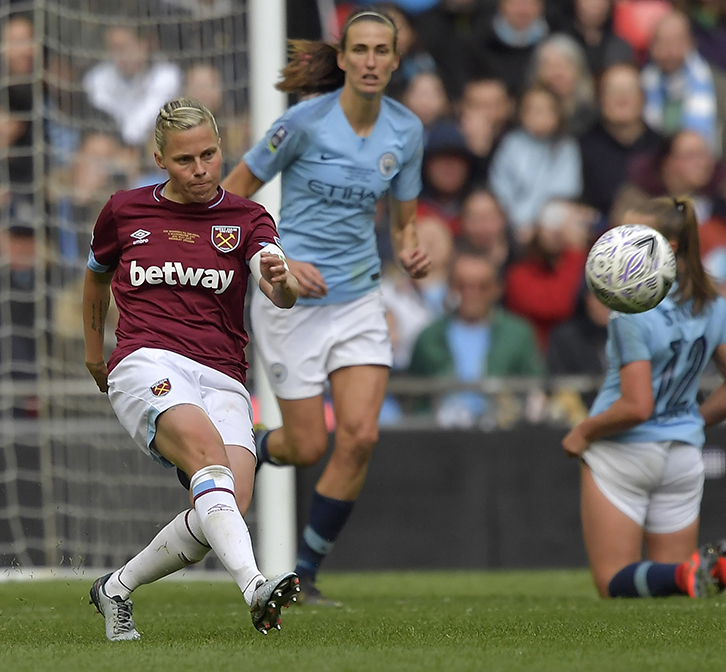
<point>268,599</point>
<point>177,545</point>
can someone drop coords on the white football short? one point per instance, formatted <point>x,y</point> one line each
<point>149,381</point>
<point>659,485</point>
<point>303,345</point>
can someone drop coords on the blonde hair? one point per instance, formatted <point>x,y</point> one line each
<point>181,114</point>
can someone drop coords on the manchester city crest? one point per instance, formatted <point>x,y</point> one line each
<point>279,372</point>
<point>387,164</point>
<point>225,238</point>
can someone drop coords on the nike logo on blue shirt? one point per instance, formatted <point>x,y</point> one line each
<point>327,157</point>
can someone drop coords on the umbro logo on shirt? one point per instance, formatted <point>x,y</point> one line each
<point>141,236</point>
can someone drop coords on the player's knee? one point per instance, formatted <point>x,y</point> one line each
<point>209,453</point>
<point>360,447</point>
<point>361,436</point>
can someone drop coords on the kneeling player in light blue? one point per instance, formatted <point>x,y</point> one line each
<point>642,470</point>
<point>338,154</point>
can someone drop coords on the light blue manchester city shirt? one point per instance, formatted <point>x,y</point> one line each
<point>679,346</point>
<point>332,180</point>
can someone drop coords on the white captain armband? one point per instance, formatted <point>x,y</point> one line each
<point>255,261</point>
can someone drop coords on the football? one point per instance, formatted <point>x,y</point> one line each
<point>631,268</point>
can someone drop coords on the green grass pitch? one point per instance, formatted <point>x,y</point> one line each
<point>415,621</point>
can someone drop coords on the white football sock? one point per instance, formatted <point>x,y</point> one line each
<point>226,531</point>
<point>177,545</point>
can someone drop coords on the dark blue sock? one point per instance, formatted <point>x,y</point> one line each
<point>262,453</point>
<point>327,518</point>
<point>645,579</point>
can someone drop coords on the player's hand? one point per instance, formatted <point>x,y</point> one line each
<point>99,371</point>
<point>311,280</point>
<point>416,262</point>
<point>575,443</point>
<point>272,268</point>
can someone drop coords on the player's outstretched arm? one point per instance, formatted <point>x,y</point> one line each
<point>241,181</point>
<point>276,281</point>
<point>413,258</point>
<point>96,300</point>
<point>713,409</point>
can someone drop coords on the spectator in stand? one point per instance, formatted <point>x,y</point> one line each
<point>203,82</point>
<point>543,286</point>
<point>447,170</point>
<point>133,77</point>
<point>485,113</point>
<point>684,166</point>
<point>592,27</point>
<point>484,228</point>
<point>620,135</point>
<point>413,58</point>
<point>505,51</point>
<point>478,340</point>
<point>217,31</point>
<point>62,110</point>
<point>708,27</point>
<point>426,97</point>
<point>560,66</point>
<point>577,348</point>
<point>413,304</point>
<point>101,167</point>
<point>18,51</point>
<point>448,32</point>
<point>535,163</point>
<point>17,44</point>
<point>679,85</point>
<point>16,158</point>
<point>19,256</point>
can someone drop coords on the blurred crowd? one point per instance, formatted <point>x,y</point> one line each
<point>544,122</point>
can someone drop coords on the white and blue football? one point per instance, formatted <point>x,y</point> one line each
<point>631,268</point>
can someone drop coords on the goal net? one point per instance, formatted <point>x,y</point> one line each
<point>81,82</point>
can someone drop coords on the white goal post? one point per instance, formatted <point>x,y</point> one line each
<point>275,487</point>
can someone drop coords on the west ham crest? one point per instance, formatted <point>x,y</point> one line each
<point>162,388</point>
<point>225,238</point>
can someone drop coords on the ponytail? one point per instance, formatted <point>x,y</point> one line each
<point>676,219</point>
<point>312,68</point>
<point>696,281</point>
<point>313,65</point>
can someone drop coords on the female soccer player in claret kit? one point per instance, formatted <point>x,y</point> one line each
<point>339,153</point>
<point>178,256</point>
<point>641,467</point>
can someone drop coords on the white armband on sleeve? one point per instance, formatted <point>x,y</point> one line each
<point>255,261</point>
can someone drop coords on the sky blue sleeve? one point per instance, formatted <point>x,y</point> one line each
<point>407,184</point>
<point>629,334</point>
<point>282,144</point>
